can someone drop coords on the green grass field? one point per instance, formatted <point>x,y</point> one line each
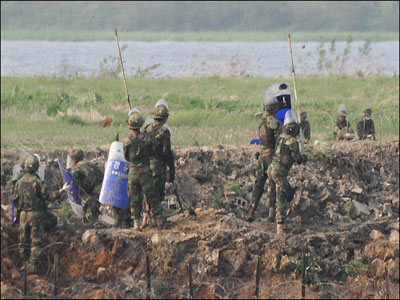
<point>209,36</point>
<point>47,113</point>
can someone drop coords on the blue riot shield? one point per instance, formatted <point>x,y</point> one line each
<point>114,190</point>
<point>13,217</point>
<point>255,142</point>
<point>72,193</point>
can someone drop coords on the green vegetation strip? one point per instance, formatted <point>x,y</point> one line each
<point>50,112</point>
<point>206,36</point>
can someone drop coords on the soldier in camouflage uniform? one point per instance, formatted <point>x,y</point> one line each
<point>88,179</point>
<point>341,128</point>
<point>31,195</point>
<point>305,126</point>
<point>162,153</point>
<point>287,153</point>
<point>268,131</point>
<point>138,150</point>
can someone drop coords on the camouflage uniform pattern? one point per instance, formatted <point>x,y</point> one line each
<point>88,179</point>
<point>287,153</point>
<point>341,128</point>
<point>31,196</point>
<point>305,126</point>
<point>138,150</point>
<point>162,157</point>
<point>268,131</point>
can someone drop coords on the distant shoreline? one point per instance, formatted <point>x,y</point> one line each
<point>208,36</point>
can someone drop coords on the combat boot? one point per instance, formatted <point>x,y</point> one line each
<point>271,215</point>
<point>145,222</point>
<point>250,215</point>
<point>136,225</point>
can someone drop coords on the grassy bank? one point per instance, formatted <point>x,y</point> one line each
<point>211,36</point>
<point>44,112</point>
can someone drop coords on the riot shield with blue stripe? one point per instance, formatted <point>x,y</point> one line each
<point>114,190</point>
<point>72,193</point>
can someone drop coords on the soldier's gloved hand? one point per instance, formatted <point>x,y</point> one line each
<point>171,175</point>
<point>257,155</point>
<point>304,158</point>
<point>67,186</point>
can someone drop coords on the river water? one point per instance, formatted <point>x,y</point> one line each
<point>188,59</point>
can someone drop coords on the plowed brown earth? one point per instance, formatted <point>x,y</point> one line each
<point>344,218</point>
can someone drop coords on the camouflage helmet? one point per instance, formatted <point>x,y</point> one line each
<point>76,154</point>
<point>271,104</point>
<point>31,164</point>
<point>342,111</point>
<point>160,112</point>
<point>135,120</point>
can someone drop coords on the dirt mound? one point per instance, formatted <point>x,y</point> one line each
<point>344,219</point>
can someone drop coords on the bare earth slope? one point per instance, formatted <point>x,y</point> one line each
<point>344,218</point>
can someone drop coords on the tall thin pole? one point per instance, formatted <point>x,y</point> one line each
<point>295,95</point>
<point>122,68</point>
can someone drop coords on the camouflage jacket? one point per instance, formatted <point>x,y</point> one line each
<point>364,128</point>
<point>287,151</point>
<point>87,176</point>
<point>305,126</point>
<point>341,128</point>
<point>268,131</point>
<point>138,148</point>
<point>162,143</point>
<point>31,194</point>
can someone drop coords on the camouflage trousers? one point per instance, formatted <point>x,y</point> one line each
<point>159,169</point>
<point>264,161</point>
<point>140,184</point>
<point>123,216</point>
<point>91,205</point>
<point>30,235</point>
<point>278,190</point>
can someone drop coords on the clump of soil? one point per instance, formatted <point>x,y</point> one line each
<point>344,220</point>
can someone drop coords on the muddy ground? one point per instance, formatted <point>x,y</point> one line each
<point>344,219</point>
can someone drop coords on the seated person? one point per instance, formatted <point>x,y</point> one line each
<point>365,126</point>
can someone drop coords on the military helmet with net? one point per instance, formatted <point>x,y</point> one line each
<point>341,111</point>
<point>271,104</point>
<point>76,154</point>
<point>31,164</point>
<point>135,120</point>
<point>161,110</point>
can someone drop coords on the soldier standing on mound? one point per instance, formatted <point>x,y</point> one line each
<point>31,195</point>
<point>138,150</point>
<point>305,126</point>
<point>268,131</point>
<point>162,153</point>
<point>287,153</point>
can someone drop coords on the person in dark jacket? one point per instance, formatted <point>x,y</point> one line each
<point>366,127</point>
